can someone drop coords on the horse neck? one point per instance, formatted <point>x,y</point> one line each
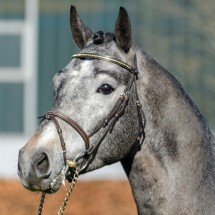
<point>178,151</point>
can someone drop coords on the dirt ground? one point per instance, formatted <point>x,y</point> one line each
<point>88,198</point>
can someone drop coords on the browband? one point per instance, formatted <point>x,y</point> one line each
<point>106,58</point>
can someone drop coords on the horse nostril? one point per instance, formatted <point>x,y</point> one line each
<point>41,164</point>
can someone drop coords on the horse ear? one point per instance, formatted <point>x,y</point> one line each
<point>123,30</point>
<point>81,34</point>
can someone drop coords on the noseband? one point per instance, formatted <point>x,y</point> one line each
<point>107,125</point>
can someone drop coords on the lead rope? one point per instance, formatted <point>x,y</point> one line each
<point>40,210</point>
<point>72,185</point>
<point>68,194</point>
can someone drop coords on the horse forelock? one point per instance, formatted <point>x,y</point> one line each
<point>101,37</point>
<point>107,46</point>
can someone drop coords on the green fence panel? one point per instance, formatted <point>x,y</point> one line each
<point>11,108</point>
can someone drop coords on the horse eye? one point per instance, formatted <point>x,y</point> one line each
<point>105,89</point>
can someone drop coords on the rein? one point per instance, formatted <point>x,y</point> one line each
<point>83,159</point>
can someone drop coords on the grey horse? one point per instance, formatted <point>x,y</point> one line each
<point>171,171</point>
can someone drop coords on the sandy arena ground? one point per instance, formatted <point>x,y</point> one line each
<point>88,198</point>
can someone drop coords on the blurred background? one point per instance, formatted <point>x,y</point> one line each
<point>35,42</point>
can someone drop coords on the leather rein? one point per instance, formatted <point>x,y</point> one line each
<point>83,159</point>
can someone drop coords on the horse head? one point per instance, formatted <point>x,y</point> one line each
<point>87,92</point>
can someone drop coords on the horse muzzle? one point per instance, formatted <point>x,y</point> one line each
<point>37,171</point>
<point>33,168</point>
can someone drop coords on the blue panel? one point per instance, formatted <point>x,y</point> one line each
<point>55,51</point>
<point>11,108</point>
<point>10,50</point>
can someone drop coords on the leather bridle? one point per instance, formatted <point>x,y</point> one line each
<point>82,160</point>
